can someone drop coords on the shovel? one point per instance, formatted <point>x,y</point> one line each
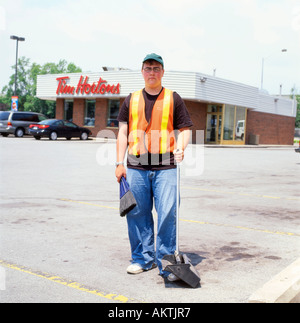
<point>179,264</point>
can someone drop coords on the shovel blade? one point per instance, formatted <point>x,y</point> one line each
<point>182,269</point>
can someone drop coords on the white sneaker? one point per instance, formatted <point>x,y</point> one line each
<point>134,269</point>
<point>172,278</point>
<point>137,269</point>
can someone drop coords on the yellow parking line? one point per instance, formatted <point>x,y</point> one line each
<point>242,228</point>
<point>92,204</point>
<point>68,283</point>
<point>199,222</point>
<point>271,197</point>
<point>238,193</point>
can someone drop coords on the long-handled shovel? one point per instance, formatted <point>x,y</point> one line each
<point>179,264</point>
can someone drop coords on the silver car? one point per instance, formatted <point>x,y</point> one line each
<point>17,123</point>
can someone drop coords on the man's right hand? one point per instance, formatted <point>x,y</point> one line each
<point>120,171</point>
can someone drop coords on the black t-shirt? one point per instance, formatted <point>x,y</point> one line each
<point>181,119</point>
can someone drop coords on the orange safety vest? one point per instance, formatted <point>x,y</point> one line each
<point>156,137</point>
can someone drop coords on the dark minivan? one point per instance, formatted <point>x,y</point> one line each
<point>17,123</point>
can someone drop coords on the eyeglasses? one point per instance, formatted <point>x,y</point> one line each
<point>154,69</point>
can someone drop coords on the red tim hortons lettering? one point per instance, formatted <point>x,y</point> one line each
<point>62,87</point>
<point>96,88</point>
<point>83,87</point>
<point>117,89</point>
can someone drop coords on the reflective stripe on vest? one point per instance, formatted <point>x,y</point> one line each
<point>156,136</point>
<point>134,114</point>
<point>165,120</point>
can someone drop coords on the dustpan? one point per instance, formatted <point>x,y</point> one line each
<point>127,200</point>
<point>179,264</point>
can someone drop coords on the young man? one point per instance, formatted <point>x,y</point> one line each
<point>148,120</point>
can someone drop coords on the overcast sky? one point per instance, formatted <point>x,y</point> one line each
<point>192,35</point>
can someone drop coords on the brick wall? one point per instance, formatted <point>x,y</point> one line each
<point>101,115</point>
<point>197,111</point>
<point>272,129</point>
<point>59,111</point>
<point>78,112</point>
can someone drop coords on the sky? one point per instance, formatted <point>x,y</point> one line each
<point>231,37</point>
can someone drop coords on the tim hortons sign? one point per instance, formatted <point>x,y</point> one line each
<point>83,87</point>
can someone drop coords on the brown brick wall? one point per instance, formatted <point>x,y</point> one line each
<point>78,111</point>
<point>59,112</point>
<point>101,115</point>
<point>272,129</point>
<point>197,111</point>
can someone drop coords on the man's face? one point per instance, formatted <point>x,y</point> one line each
<point>152,74</point>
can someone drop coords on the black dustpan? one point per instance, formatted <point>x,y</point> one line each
<point>127,200</point>
<point>179,264</point>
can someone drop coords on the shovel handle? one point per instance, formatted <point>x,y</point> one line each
<point>177,205</point>
<point>177,208</point>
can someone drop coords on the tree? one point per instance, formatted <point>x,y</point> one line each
<point>22,83</point>
<point>26,85</point>
<point>297,97</point>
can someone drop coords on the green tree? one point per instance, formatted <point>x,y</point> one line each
<point>22,83</point>
<point>297,97</point>
<point>27,82</point>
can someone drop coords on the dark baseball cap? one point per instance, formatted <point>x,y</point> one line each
<point>154,57</point>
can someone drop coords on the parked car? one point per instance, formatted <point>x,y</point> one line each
<point>17,123</point>
<point>56,128</point>
<point>240,129</point>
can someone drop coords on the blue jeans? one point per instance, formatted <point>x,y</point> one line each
<point>147,187</point>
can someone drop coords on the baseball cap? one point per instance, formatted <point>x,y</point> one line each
<point>154,57</point>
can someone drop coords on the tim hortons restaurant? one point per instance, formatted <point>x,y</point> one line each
<point>227,112</point>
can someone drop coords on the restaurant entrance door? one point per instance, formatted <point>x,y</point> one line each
<point>213,124</point>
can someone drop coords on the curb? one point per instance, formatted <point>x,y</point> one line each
<point>282,288</point>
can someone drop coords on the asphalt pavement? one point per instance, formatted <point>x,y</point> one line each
<point>62,239</point>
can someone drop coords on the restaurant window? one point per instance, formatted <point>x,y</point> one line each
<point>240,123</point>
<point>234,125</point>
<point>113,112</point>
<point>89,114</point>
<point>68,110</point>
<point>228,125</point>
<point>214,108</point>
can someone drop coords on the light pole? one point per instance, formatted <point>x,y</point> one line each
<point>262,67</point>
<point>17,39</point>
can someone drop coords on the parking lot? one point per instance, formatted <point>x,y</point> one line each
<point>62,239</point>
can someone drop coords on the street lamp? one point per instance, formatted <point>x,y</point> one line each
<point>17,39</point>
<point>262,67</point>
